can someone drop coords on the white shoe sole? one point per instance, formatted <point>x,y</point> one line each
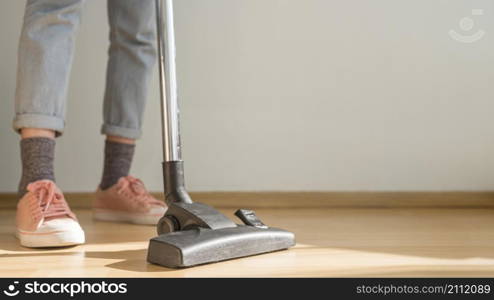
<point>50,239</point>
<point>126,217</point>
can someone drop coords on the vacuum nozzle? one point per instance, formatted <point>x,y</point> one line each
<point>201,245</point>
<point>194,233</point>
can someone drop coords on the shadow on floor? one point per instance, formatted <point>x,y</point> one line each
<point>132,260</point>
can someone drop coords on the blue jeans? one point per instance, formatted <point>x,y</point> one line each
<point>46,50</point>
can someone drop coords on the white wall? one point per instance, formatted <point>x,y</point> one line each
<point>293,95</point>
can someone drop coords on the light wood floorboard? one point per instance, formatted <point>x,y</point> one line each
<point>330,242</point>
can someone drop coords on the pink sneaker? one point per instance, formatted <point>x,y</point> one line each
<point>44,218</point>
<point>128,201</point>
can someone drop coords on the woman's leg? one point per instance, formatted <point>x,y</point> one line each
<point>43,217</point>
<point>132,56</point>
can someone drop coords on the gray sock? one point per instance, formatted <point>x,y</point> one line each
<point>37,156</point>
<point>118,158</point>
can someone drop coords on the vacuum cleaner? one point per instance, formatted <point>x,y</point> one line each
<point>192,233</point>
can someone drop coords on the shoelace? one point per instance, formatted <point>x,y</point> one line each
<point>138,190</point>
<point>50,200</point>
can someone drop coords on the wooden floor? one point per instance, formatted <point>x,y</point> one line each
<point>330,242</point>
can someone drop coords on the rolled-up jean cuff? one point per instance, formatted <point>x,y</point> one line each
<point>128,133</point>
<point>54,123</point>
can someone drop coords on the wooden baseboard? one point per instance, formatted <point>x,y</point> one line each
<point>298,200</point>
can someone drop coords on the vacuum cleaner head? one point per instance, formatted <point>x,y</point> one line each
<point>193,233</point>
<point>201,245</point>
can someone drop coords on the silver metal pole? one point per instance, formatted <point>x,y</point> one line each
<point>168,81</point>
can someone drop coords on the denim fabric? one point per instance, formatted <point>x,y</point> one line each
<point>46,51</point>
